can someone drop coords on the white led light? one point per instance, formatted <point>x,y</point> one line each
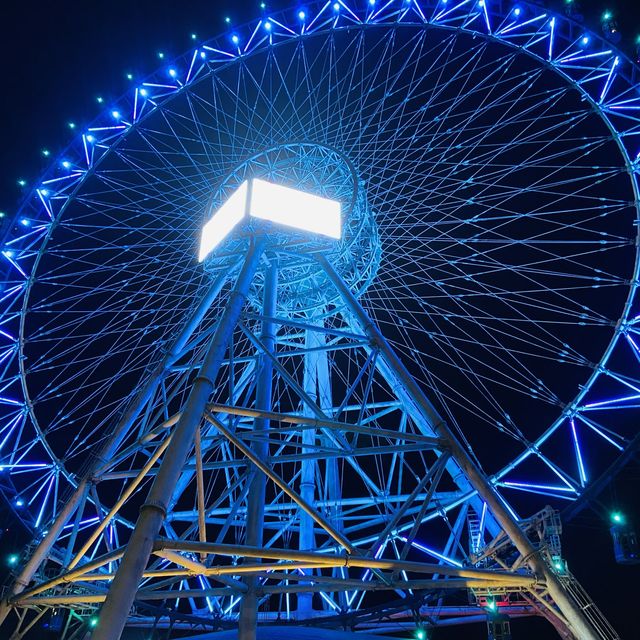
<point>294,208</point>
<point>275,203</point>
<point>224,220</point>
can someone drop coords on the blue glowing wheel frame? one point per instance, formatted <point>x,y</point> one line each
<point>566,453</point>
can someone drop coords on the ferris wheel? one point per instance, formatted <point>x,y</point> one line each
<point>473,323</point>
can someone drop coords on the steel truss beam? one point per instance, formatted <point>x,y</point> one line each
<point>286,560</point>
<point>242,432</point>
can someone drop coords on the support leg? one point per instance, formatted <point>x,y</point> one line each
<point>308,471</point>
<point>248,620</point>
<point>580,627</point>
<point>115,610</point>
<point>121,429</point>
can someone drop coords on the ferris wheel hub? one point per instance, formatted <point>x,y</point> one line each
<point>320,171</point>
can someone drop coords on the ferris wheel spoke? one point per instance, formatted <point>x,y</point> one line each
<point>526,337</point>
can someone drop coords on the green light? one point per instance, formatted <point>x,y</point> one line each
<point>160,55</point>
<point>491,605</point>
<point>93,622</point>
<point>2,214</point>
<point>607,15</point>
<point>558,566</point>
<point>22,183</point>
<point>263,5</point>
<point>46,153</point>
<point>100,99</point>
<point>617,517</point>
<point>12,560</point>
<point>227,20</point>
<point>193,36</point>
<point>129,76</point>
<point>72,125</point>
<point>421,634</point>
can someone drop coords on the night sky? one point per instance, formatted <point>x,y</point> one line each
<point>60,56</point>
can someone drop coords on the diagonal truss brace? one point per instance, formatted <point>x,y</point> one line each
<point>577,622</point>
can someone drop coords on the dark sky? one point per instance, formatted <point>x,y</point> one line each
<point>59,56</point>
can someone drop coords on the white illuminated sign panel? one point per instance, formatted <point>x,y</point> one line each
<point>225,219</point>
<point>276,203</point>
<point>294,208</point>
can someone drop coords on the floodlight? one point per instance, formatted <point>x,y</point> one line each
<point>276,203</point>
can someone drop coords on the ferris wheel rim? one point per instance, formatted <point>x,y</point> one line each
<point>615,136</point>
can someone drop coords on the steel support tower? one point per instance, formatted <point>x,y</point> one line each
<point>287,436</point>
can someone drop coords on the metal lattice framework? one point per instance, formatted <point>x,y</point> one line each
<point>486,155</point>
